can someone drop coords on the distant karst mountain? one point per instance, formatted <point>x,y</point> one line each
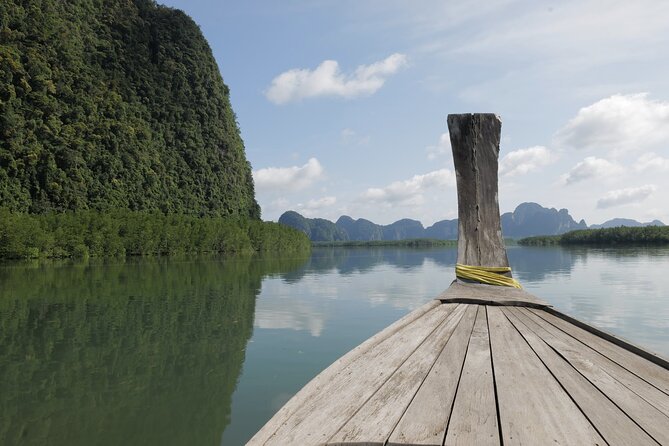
<point>531,219</point>
<point>613,223</point>
<point>526,220</point>
<point>317,229</point>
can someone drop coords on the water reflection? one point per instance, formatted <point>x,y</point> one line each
<point>529,264</point>
<point>144,352</point>
<point>347,261</point>
<point>204,351</point>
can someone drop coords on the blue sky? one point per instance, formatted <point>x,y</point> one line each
<point>342,104</point>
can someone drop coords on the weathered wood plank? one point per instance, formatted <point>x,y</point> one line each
<point>313,387</point>
<point>475,142</point>
<point>374,422</point>
<point>314,422</point>
<point>643,368</point>
<point>533,408</point>
<point>476,293</point>
<point>645,390</point>
<point>474,417</point>
<point>609,420</point>
<point>425,420</point>
<point>596,368</point>
<point>623,343</point>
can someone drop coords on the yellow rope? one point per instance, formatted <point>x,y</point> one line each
<point>490,275</point>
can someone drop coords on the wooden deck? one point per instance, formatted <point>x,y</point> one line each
<point>482,365</point>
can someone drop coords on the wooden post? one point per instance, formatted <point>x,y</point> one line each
<point>475,142</point>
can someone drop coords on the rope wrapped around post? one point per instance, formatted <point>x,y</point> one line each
<point>489,275</point>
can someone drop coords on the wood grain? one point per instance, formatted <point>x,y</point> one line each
<point>533,407</point>
<point>474,417</point>
<point>601,372</point>
<point>374,422</point>
<point>314,422</point>
<point>476,293</point>
<point>611,422</point>
<point>652,373</point>
<point>475,142</point>
<point>312,389</point>
<point>425,420</point>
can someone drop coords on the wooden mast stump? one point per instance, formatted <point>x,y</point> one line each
<point>475,142</point>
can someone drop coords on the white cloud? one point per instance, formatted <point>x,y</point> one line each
<point>443,147</point>
<point>281,179</point>
<point>328,80</point>
<point>591,167</point>
<point>618,123</point>
<point>625,196</point>
<point>314,206</point>
<point>651,161</point>
<point>522,161</point>
<point>410,192</point>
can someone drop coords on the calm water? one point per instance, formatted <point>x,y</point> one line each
<point>203,351</point>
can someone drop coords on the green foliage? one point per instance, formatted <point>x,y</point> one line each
<point>621,235</point>
<point>540,240</point>
<point>652,235</point>
<point>122,232</point>
<point>115,105</point>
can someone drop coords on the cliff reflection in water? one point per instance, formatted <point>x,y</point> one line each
<point>142,352</point>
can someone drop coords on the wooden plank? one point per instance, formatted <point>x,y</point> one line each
<point>474,417</point>
<point>597,369</point>
<point>533,407</point>
<point>620,342</point>
<point>475,142</point>
<point>425,420</point>
<point>474,293</point>
<point>313,387</point>
<point>643,368</point>
<point>333,403</point>
<point>637,385</point>
<point>610,421</point>
<point>374,422</point>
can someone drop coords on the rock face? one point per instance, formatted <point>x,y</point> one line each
<point>443,230</point>
<point>403,229</point>
<point>360,229</point>
<point>529,219</point>
<point>613,223</point>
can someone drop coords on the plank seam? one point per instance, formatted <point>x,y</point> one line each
<point>390,375</point>
<point>426,375</point>
<point>349,357</point>
<point>457,386</point>
<point>598,389</point>
<point>498,303</point>
<point>551,372</point>
<point>650,356</point>
<point>595,350</point>
<point>494,380</point>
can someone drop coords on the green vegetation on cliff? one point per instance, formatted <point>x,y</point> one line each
<point>128,233</point>
<point>115,104</point>
<point>647,235</point>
